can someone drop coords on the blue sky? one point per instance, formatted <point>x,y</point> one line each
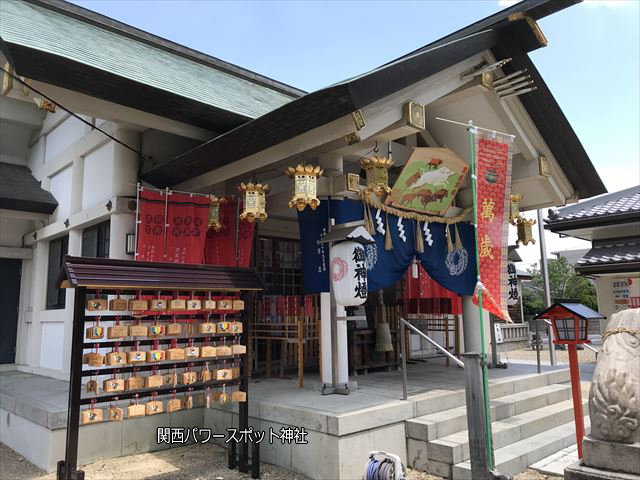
<point>591,63</point>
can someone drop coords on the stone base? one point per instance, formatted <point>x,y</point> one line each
<point>611,456</point>
<point>577,471</point>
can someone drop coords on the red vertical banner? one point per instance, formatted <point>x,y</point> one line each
<point>151,226</point>
<point>493,186</point>
<point>220,246</point>
<point>187,227</point>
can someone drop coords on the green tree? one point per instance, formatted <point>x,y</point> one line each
<point>564,282</point>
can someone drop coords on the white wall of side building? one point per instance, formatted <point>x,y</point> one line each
<point>84,170</point>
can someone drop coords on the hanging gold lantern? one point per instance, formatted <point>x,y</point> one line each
<point>305,179</point>
<point>525,231</point>
<point>215,220</point>
<point>514,209</point>
<point>255,203</point>
<point>377,169</point>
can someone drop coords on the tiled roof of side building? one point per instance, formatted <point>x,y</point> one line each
<point>614,252</point>
<point>622,202</point>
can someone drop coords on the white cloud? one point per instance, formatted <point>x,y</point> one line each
<point>507,3</point>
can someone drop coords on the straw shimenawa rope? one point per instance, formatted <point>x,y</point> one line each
<point>619,330</point>
<point>375,203</point>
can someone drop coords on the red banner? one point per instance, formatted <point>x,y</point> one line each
<point>187,227</point>
<point>219,248</point>
<point>425,295</point>
<point>151,228</point>
<point>493,186</point>
<point>179,239</point>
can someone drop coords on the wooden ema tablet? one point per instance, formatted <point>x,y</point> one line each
<point>93,415</point>
<point>223,374</point>
<point>209,305</point>
<point>155,356</point>
<point>208,351</point>
<point>225,304</point>
<point>115,414</point>
<point>118,305</point>
<point>156,330</point>
<point>93,359</point>
<point>153,381</point>
<point>173,329</point>
<point>194,305</point>
<point>237,305</point>
<point>205,328</point>
<point>136,356</point>
<point>134,410</point>
<point>221,398</point>
<point>188,378</point>
<point>117,331</point>
<point>238,349</point>
<point>134,383</point>
<point>94,304</point>
<point>169,380</point>
<point>235,327</point>
<point>223,351</point>
<point>92,386</point>
<point>116,358</point>
<point>223,327</point>
<point>177,304</point>
<point>158,304</point>
<point>174,405</point>
<point>205,375</point>
<point>235,372</point>
<point>187,402</point>
<point>113,385</point>
<point>95,332</point>
<point>153,407</point>
<point>239,396</point>
<point>138,330</point>
<point>192,352</point>
<point>137,304</point>
<point>174,354</point>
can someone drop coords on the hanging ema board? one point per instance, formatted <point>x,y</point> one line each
<point>429,181</point>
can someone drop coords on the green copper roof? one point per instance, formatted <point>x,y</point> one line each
<point>39,28</point>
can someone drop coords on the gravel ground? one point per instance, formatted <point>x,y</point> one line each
<point>562,356</point>
<point>196,462</point>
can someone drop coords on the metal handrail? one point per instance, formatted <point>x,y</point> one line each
<point>434,343</point>
<point>403,349</point>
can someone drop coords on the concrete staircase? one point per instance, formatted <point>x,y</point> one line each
<point>532,418</point>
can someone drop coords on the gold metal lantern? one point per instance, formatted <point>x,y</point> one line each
<point>305,180</point>
<point>514,208</point>
<point>255,202</point>
<point>215,221</point>
<point>377,169</point>
<point>525,231</point>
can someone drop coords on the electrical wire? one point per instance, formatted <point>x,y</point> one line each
<point>58,104</point>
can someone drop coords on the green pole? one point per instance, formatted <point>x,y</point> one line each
<point>485,383</point>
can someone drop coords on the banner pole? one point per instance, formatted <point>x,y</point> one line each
<point>485,383</point>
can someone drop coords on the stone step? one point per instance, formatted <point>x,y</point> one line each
<point>446,422</point>
<point>454,448</point>
<point>438,400</point>
<point>516,457</point>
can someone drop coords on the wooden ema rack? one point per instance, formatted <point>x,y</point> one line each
<point>101,277</point>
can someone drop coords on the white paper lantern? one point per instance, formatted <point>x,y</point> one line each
<point>348,273</point>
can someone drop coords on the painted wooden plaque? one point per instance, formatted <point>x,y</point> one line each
<point>429,181</point>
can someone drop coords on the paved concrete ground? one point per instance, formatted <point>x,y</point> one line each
<point>44,399</point>
<point>556,463</point>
